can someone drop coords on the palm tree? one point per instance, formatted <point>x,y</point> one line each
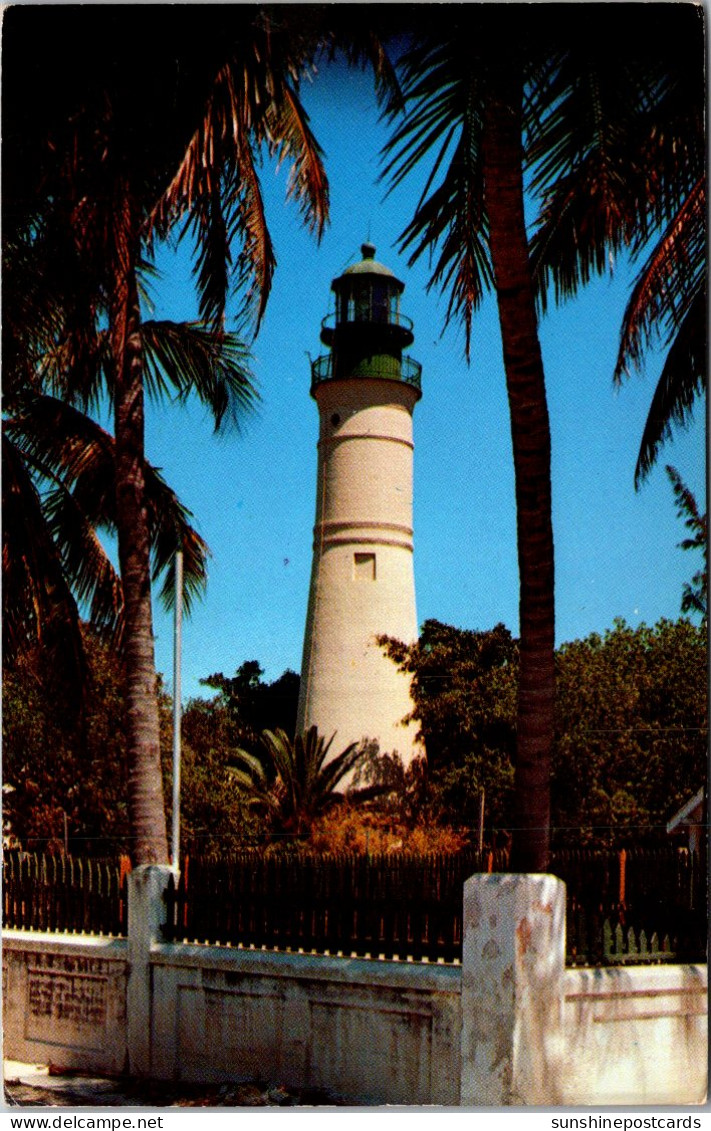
<point>669,301</point>
<point>620,152</point>
<point>291,781</point>
<point>517,89</point>
<point>464,93</point>
<point>125,134</point>
<point>59,465</point>
<point>107,169</point>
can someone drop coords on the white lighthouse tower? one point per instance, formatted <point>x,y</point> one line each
<point>362,579</point>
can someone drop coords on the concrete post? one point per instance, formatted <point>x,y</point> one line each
<point>146,916</point>
<point>513,966</point>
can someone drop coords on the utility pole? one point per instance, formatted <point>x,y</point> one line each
<point>177,711</point>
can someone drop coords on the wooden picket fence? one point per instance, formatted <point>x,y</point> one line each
<point>381,906</point>
<point>634,905</point>
<point>640,905</point>
<point>65,893</point>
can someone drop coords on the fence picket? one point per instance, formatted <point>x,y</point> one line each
<point>63,894</point>
<point>397,905</point>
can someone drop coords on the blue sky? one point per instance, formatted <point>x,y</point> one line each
<point>253,495</point>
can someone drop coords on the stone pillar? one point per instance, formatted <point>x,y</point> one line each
<point>513,967</point>
<point>146,915</point>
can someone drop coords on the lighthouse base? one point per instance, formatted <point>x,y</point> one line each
<point>352,688</point>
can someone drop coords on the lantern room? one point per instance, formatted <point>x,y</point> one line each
<point>368,332</point>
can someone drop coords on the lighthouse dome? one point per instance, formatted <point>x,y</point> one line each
<point>368,265</point>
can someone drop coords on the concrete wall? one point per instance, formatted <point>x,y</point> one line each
<point>372,1032</point>
<point>64,1001</point>
<point>368,1031</point>
<point>635,1035</point>
<point>536,1033</point>
<point>510,1026</point>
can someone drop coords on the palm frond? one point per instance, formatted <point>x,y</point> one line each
<point>695,593</point>
<point>249,769</point>
<point>195,360</point>
<point>85,563</point>
<point>336,770</point>
<point>363,44</point>
<point>670,282</point>
<point>288,125</point>
<point>682,381</point>
<point>611,146</point>
<point>50,310</point>
<point>170,526</point>
<point>252,104</point>
<point>278,748</point>
<point>72,454</point>
<point>38,606</point>
<point>688,510</point>
<point>443,92</point>
<point>218,153</point>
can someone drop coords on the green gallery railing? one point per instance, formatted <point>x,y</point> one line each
<point>383,367</point>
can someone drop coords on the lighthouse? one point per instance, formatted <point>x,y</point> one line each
<point>362,578</point>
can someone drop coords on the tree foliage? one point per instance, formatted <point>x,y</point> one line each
<point>213,815</point>
<point>57,763</point>
<point>632,731</point>
<point>464,685</point>
<point>292,781</point>
<point>249,705</point>
<point>695,594</point>
<point>631,727</point>
<point>618,154</point>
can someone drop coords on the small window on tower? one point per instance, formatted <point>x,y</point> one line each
<point>364,567</point>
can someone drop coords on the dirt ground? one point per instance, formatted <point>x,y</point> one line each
<point>34,1086</point>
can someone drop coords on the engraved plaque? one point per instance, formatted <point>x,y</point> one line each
<point>66,1007</point>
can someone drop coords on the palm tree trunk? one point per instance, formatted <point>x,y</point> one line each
<point>530,433</point>
<point>146,808</point>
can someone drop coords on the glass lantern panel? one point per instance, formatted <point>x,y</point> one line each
<point>380,312</point>
<point>362,303</point>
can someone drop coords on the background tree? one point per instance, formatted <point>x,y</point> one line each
<point>61,763</point>
<point>632,732</point>
<point>60,766</point>
<point>631,728</point>
<point>695,595</point>
<point>464,688</point>
<point>252,706</point>
<point>214,816</point>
